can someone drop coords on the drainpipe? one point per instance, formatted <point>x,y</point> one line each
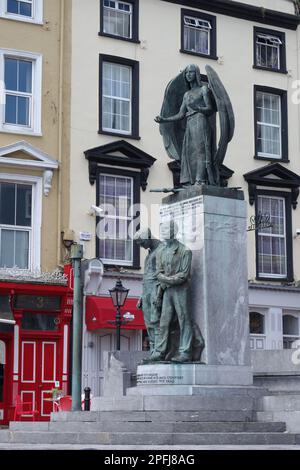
<point>76,256</point>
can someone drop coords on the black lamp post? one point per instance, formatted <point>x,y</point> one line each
<point>118,295</point>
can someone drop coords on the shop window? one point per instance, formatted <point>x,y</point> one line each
<point>290,327</point>
<point>257,330</point>
<point>257,323</point>
<point>40,321</point>
<point>33,302</point>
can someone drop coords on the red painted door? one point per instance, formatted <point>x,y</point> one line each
<point>39,373</point>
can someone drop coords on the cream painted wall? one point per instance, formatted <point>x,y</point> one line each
<point>43,39</point>
<point>160,60</point>
<point>285,6</point>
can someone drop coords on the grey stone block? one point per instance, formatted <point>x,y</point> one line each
<point>5,436</point>
<point>200,416</point>
<point>291,418</point>
<point>44,438</point>
<point>234,439</point>
<point>103,438</point>
<point>281,403</point>
<point>28,426</point>
<point>218,391</point>
<point>141,438</point>
<point>185,403</point>
<point>117,404</point>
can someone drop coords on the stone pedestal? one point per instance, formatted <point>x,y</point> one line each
<point>212,223</point>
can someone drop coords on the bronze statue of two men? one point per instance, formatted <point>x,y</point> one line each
<point>173,335</point>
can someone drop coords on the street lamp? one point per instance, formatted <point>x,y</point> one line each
<point>118,295</point>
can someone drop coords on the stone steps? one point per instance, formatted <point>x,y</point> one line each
<point>149,438</point>
<point>281,407</point>
<point>153,427</point>
<point>154,416</point>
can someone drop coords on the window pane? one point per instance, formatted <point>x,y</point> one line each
<point>290,325</point>
<point>257,323</point>
<point>19,8</point>
<point>24,196</point>
<point>25,76</point>
<point>7,248</point>
<point>25,9</point>
<point>22,249</point>
<point>7,203</point>
<point>12,6</point>
<point>32,302</point>
<point>11,109</point>
<point>10,74</point>
<point>40,321</point>
<point>14,249</point>
<point>23,105</point>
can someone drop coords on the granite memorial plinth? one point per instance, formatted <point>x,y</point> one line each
<point>212,223</point>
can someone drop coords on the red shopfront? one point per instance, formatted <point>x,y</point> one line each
<point>36,353</point>
<point>100,335</point>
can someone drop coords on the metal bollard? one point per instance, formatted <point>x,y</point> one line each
<point>87,399</point>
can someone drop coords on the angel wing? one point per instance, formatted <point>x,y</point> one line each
<point>226,115</point>
<point>173,132</point>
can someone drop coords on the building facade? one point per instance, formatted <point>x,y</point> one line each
<point>35,296</point>
<point>77,130</point>
<point>119,66</point>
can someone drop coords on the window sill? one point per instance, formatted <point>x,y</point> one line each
<point>24,19</point>
<point>119,134</point>
<point>272,159</point>
<point>198,54</point>
<point>113,36</point>
<point>275,279</point>
<point>267,69</point>
<point>20,131</point>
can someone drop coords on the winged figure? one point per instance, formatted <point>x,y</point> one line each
<point>187,125</point>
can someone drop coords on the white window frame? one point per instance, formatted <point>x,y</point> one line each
<point>278,126</point>
<point>200,25</point>
<point>128,100</point>
<point>34,262</point>
<point>284,236</point>
<point>114,217</point>
<point>275,43</point>
<point>258,339</point>
<point>36,108</point>
<point>37,12</point>
<point>130,13</point>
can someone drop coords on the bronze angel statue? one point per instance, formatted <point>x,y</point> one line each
<point>187,125</point>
